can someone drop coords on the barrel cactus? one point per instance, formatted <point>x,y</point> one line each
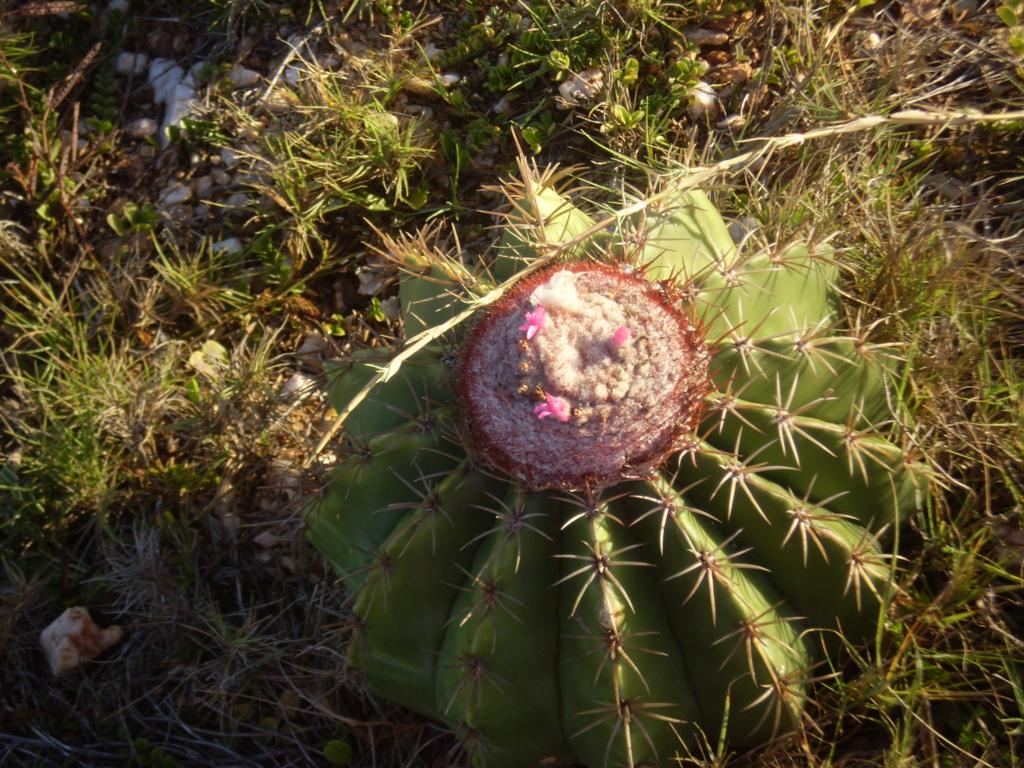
<point>628,509</point>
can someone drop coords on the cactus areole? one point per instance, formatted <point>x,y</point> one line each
<point>631,508</point>
<point>582,376</point>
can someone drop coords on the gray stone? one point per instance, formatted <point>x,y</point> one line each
<point>141,128</point>
<point>243,77</point>
<point>175,193</point>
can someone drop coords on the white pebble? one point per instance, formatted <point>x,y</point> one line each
<point>703,37</point>
<point>419,110</point>
<point>311,352</point>
<point>142,128</point>
<point>312,344</point>
<point>175,193</point>
<point>872,41</point>
<point>329,61</point>
<point>175,89</point>
<point>504,106</point>
<point>242,77</point>
<point>202,185</point>
<point>298,385</point>
<point>450,78</point>
<point>742,228</point>
<point>131,63</point>
<point>391,307</point>
<point>702,101</point>
<point>230,246</point>
<point>164,77</point>
<point>229,157</point>
<point>581,88</point>
<point>267,540</point>
<point>371,281</point>
<point>73,639</point>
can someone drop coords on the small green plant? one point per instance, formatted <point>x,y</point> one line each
<point>340,150</point>
<point>1012,15</point>
<point>626,518</point>
<point>539,130</point>
<point>134,219</point>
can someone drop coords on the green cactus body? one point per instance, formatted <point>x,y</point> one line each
<point>654,580</point>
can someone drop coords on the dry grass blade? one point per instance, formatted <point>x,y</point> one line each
<point>57,96</point>
<point>41,9</point>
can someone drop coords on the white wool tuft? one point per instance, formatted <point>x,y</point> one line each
<point>558,293</point>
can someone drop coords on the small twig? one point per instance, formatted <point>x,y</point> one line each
<point>75,114</point>
<point>693,178</point>
<point>289,57</point>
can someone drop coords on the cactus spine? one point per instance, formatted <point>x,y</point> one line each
<point>565,572</point>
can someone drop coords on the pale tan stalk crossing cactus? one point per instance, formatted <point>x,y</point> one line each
<point>632,505</point>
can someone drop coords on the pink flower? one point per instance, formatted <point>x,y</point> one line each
<point>555,406</point>
<point>621,337</point>
<point>534,322</point>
